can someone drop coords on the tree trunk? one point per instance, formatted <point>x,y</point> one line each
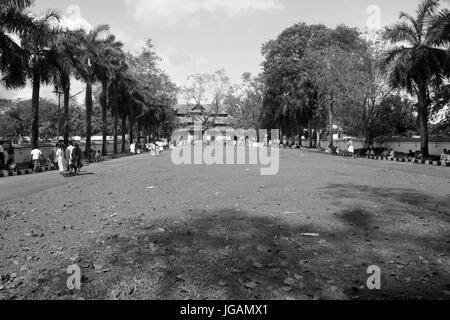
<point>131,127</point>
<point>139,133</point>
<point>66,110</point>
<point>116,119</point>
<point>35,110</point>
<point>88,103</point>
<point>423,118</point>
<point>330,120</point>
<point>318,139</point>
<point>310,134</point>
<point>300,134</point>
<point>116,131</point>
<point>124,125</point>
<point>104,105</point>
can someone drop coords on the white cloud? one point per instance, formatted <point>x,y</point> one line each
<point>131,44</point>
<point>180,65</point>
<point>171,11</point>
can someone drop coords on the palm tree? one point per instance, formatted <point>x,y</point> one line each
<point>126,104</point>
<point>419,64</point>
<point>92,46</point>
<point>13,59</point>
<point>106,69</point>
<point>65,44</point>
<point>42,63</point>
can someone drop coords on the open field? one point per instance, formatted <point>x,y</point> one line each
<point>142,228</point>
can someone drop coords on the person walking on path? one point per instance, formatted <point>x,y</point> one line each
<point>10,151</point>
<point>70,149</point>
<point>351,148</point>
<point>60,156</point>
<point>36,156</point>
<point>68,156</point>
<point>77,157</point>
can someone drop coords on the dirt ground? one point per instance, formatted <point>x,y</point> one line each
<point>142,228</point>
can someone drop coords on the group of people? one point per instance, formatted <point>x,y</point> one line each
<point>7,156</point>
<point>70,159</point>
<point>155,149</point>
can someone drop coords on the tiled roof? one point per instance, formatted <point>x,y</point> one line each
<point>183,109</point>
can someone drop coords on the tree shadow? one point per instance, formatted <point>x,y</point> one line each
<point>419,203</point>
<point>230,254</point>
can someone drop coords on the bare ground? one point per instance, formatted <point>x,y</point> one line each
<point>142,228</point>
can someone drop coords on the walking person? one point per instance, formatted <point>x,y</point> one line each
<point>70,149</point>
<point>36,156</point>
<point>444,157</point>
<point>10,151</point>
<point>351,148</point>
<point>60,156</point>
<point>67,158</point>
<point>77,157</point>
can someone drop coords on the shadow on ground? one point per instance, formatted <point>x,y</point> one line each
<point>421,203</point>
<point>231,254</point>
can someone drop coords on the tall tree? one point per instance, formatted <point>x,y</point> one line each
<point>42,63</point>
<point>157,94</point>
<point>92,46</point>
<point>66,45</point>
<point>107,70</point>
<point>418,61</point>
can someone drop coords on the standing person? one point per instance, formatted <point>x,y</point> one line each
<point>36,156</point>
<point>2,156</point>
<point>68,157</point>
<point>11,152</point>
<point>70,149</point>
<point>444,156</point>
<point>351,149</point>
<point>77,157</point>
<point>60,157</point>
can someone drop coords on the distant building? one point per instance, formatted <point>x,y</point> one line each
<point>189,115</point>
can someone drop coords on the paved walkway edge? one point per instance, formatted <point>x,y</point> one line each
<point>5,173</point>
<point>401,160</point>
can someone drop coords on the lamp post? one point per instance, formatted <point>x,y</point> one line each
<point>59,93</point>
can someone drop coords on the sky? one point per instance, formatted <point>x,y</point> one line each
<point>202,36</point>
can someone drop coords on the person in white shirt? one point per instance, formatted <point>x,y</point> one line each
<point>70,149</point>
<point>351,148</point>
<point>61,157</point>
<point>36,156</point>
<point>444,157</point>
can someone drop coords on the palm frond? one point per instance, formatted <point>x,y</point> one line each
<point>439,31</point>
<point>99,33</point>
<point>13,63</point>
<point>426,9</point>
<point>409,18</point>
<point>402,32</point>
<point>6,5</point>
